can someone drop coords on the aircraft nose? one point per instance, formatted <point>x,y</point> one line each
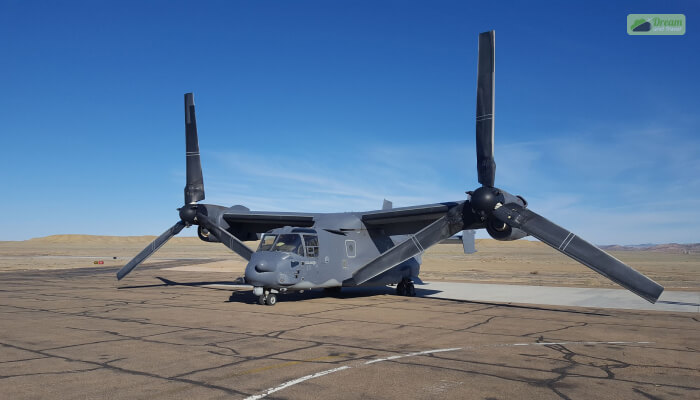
<point>264,266</point>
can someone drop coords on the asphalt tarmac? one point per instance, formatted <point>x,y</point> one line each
<point>81,334</point>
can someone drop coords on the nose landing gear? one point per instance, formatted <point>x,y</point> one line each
<point>267,298</point>
<point>406,288</point>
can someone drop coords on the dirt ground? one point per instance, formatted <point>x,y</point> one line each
<point>70,330</point>
<point>519,262</point>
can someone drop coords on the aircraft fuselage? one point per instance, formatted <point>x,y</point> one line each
<point>298,258</point>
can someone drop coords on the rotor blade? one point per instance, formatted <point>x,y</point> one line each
<point>225,237</point>
<point>486,80</point>
<point>150,249</point>
<point>441,229</point>
<point>579,249</point>
<point>194,189</point>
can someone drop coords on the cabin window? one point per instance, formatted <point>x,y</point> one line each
<point>350,248</point>
<point>267,242</point>
<point>311,242</point>
<point>289,243</point>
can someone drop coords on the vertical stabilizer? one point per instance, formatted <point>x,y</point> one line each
<point>387,205</point>
<point>468,241</point>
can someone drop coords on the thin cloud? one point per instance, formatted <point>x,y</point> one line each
<point>638,186</point>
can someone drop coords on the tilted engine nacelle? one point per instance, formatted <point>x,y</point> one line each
<point>486,199</point>
<point>501,231</point>
<point>243,236</point>
<point>205,235</point>
<point>215,213</point>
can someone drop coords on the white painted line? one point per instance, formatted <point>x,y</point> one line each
<point>564,343</point>
<point>567,243</point>
<point>295,381</point>
<point>432,351</point>
<point>564,241</point>
<point>344,367</point>
<point>419,353</point>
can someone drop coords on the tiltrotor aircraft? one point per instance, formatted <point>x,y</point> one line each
<point>301,251</point>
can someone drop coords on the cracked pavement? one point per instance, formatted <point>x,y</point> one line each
<point>79,333</point>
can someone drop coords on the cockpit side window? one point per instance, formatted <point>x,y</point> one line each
<point>267,242</point>
<point>289,243</point>
<point>311,242</point>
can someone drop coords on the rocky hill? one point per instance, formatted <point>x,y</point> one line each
<point>660,248</point>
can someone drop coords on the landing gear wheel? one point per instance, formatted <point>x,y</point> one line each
<point>332,291</point>
<point>401,288</point>
<point>410,289</point>
<point>405,288</point>
<point>271,299</point>
<point>261,299</point>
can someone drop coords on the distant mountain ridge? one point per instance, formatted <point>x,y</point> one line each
<point>119,240</point>
<point>661,248</point>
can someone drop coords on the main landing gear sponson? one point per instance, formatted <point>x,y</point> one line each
<point>333,291</point>
<point>405,288</point>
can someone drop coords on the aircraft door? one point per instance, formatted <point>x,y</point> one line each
<point>310,251</point>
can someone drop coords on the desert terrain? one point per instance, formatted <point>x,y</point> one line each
<point>520,262</point>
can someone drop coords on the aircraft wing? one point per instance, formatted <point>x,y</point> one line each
<point>406,220</point>
<point>263,221</point>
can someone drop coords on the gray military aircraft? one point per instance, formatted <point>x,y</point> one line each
<point>301,251</point>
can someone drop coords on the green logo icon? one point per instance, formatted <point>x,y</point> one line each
<point>656,24</point>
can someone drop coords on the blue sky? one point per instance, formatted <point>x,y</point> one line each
<point>335,105</point>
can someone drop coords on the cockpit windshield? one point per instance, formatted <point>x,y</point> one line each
<point>289,243</point>
<point>267,242</point>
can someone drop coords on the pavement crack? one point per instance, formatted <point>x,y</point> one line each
<point>129,371</point>
<point>575,325</point>
<point>75,371</point>
<point>479,323</point>
<point>646,395</point>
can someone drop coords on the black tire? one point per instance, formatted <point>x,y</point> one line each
<point>332,291</point>
<point>261,299</point>
<point>271,299</point>
<point>401,288</point>
<point>410,290</point>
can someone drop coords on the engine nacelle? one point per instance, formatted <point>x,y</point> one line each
<point>205,235</point>
<point>502,231</point>
<point>241,235</point>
